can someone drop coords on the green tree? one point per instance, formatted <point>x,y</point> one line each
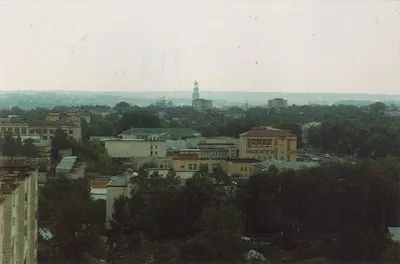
<point>60,140</point>
<point>9,147</point>
<point>219,237</point>
<point>28,148</point>
<point>138,119</point>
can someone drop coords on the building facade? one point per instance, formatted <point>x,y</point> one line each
<point>228,143</point>
<point>43,130</point>
<point>18,189</point>
<point>198,103</point>
<point>264,143</point>
<point>64,117</point>
<point>277,103</point>
<point>130,148</point>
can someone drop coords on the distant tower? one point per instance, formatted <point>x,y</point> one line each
<point>196,93</point>
<point>246,106</point>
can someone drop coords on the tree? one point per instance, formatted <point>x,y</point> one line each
<point>28,148</point>
<point>9,147</point>
<point>138,119</point>
<point>220,235</point>
<point>60,140</point>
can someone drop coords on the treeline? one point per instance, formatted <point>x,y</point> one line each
<point>341,211</point>
<point>354,137</point>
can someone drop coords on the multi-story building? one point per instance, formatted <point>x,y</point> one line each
<point>46,129</point>
<point>43,130</point>
<point>227,143</point>
<point>202,104</point>
<point>131,148</point>
<point>64,117</point>
<point>265,143</point>
<point>18,189</point>
<point>206,153</point>
<point>186,165</point>
<point>14,125</point>
<point>277,103</point>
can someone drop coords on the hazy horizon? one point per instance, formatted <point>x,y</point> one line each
<point>305,46</point>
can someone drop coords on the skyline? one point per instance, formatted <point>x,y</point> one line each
<point>351,47</point>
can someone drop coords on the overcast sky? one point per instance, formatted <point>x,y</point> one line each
<point>248,45</point>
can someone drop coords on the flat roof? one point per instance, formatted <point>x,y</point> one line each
<point>67,163</point>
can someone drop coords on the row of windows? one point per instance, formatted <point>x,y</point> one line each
<point>264,142</point>
<point>262,151</point>
<point>23,130</point>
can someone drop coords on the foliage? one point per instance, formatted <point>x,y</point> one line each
<point>78,225</point>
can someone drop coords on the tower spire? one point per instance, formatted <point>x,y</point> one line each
<point>196,93</point>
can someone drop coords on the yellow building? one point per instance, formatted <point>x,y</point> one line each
<point>66,117</point>
<point>46,129</point>
<point>265,143</point>
<point>241,167</point>
<point>187,164</point>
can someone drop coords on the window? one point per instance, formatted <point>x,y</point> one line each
<point>155,146</point>
<point>10,129</point>
<point>151,146</point>
<point>161,166</point>
<point>182,166</point>
<point>51,131</point>
<point>264,142</point>
<point>71,131</point>
<point>156,153</point>
<point>23,130</point>
<point>151,153</point>
<point>16,130</point>
<point>195,166</point>
<point>45,131</point>
<point>245,168</point>
<point>44,137</point>
<point>3,129</point>
<point>241,168</point>
<point>190,167</point>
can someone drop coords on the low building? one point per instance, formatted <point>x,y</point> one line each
<point>132,148</point>
<point>71,167</point>
<point>18,212</point>
<point>241,167</point>
<point>264,143</point>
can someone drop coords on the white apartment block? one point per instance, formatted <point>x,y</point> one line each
<point>131,148</point>
<point>18,228</point>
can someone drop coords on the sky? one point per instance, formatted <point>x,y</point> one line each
<point>327,46</point>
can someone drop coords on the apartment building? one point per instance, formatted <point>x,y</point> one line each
<point>264,143</point>
<point>131,148</point>
<point>18,228</point>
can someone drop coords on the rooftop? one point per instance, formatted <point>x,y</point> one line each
<point>264,131</point>
<point>250,161</point>
<point>186,157</point>
<point>67,163</point>
<point>169,133</point>
<point>118,181</point>
<point>288,165</point>
<point>52,123</point>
